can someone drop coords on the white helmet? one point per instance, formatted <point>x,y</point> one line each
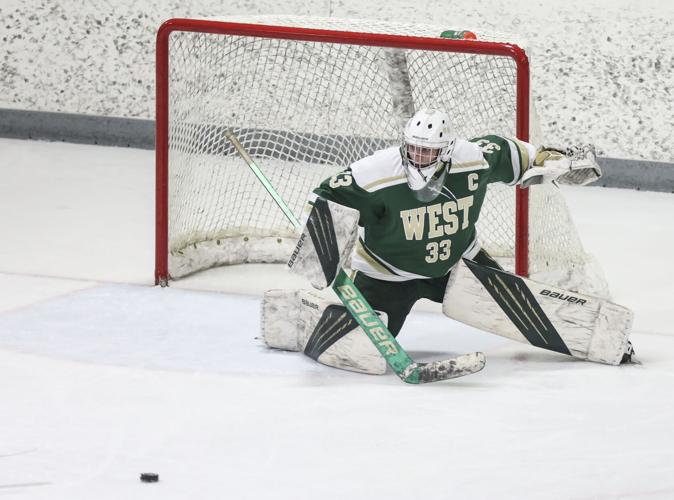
<point>426,150</point>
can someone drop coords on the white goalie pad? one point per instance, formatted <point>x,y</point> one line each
<point>502,303</point>
<point>325,243</point>
<point>297,320</point>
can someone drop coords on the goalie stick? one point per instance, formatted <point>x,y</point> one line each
<point>347,292</point>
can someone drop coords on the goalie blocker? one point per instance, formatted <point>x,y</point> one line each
<point>325,243</point>
<point>499,302</point>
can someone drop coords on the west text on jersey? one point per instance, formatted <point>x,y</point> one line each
<point>443,219</point>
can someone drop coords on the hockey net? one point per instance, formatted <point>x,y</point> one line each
<point>306,103</point>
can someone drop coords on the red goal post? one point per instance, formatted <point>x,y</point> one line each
<point>321,36</point>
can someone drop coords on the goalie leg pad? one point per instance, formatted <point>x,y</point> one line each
<point>499,302</point>
<point>325,243</point>
<point>297,320</point>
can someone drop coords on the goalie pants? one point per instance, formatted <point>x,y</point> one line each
<point>396,298</point>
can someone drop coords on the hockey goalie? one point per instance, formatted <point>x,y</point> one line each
<point>403,220</point>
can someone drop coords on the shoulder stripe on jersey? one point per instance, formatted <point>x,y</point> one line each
<point>468,166</point>
<point>520,159</point>
<point>524,154</point>
<point>515,161</point>
<point>385,182</point>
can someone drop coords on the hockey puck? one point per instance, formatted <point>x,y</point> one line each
<point>149,477</point>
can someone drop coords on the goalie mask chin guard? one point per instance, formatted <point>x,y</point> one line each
<point>426,183</point>
<point>426,150</point>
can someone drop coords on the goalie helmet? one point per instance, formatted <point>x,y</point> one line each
<point>426,151</point>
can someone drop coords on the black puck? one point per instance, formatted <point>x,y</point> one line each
<point>149,477</point>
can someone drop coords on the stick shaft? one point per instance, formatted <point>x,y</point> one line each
<point>263,179</point>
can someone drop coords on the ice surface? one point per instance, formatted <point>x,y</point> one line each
<point>103,376</point>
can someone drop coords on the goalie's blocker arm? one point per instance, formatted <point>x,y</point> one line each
<point>325,243</point>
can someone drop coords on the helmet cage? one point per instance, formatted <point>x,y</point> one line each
<point>426,182</point>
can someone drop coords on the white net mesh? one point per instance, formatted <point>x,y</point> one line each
<point>305,110</point>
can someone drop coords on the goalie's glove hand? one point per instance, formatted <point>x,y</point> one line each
<point>577,165</point>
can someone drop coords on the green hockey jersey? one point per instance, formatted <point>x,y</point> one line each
<point>401,238</point>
